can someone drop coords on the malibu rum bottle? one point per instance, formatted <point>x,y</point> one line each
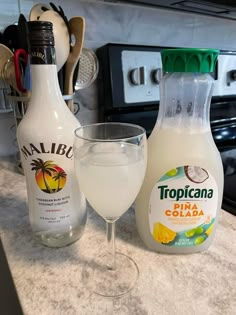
<point>57,209</point>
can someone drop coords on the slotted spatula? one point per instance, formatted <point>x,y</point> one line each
<point>76,26</point>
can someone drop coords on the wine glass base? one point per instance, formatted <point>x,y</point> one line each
<point>102,280</point>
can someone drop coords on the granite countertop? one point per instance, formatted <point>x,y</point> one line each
<point>48,281</point>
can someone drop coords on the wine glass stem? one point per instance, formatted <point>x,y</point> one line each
<point>110,228</point>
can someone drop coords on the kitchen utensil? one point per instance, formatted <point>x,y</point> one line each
<point>76,27</point>
<point>61,36</point>
<point>37,10</point>
<point>61,76</point>
<point>23,43</point>
<point>22,32</point>
<point>61,72</point>
<point>59,11</point>
<point>18,68</point>
<point>5,55</point>
<point>11,37</point>
<point>27,77</point>
<point>7,67</point>
<point>88,69</point>
<point>7,73</point>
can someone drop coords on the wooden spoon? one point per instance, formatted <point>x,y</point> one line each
<point>76,28</point>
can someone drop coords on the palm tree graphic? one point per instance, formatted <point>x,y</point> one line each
<point>46,167</point>
<point>58,176</point>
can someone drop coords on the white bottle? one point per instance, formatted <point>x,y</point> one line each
<point>178,206</point>
<point>57,209</point>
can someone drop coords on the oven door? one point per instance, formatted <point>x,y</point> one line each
<point>143,117</point>
<point>223,126</point>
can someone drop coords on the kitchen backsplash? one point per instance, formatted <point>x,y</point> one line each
<point>127,24</point>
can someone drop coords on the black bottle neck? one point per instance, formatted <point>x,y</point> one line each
<point>43,55</point>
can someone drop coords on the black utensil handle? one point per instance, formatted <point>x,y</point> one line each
<point>61,75</point>
<point>75,75</point>
<point>53,6</point>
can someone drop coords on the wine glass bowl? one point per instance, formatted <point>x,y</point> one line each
<point>110,164</point>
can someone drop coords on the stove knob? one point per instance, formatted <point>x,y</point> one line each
<point>156,75</point>
<point>233,75</point>
<point>230,77</point>
<point>138,76</point>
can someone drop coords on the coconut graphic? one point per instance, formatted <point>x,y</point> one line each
<point>196,174</point>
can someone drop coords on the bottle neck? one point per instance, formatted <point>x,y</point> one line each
<point>44,81</point>
<point>44,72</point>
<point>185,101</point>
<point>42,55</point>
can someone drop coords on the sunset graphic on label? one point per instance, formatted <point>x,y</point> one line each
<point>49,177</point>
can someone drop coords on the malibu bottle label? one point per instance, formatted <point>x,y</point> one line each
<point>54,193</point>
<point>52,148</point>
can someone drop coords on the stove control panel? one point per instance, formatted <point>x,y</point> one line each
<point>141,75</point>
<point>142,72</point>
<point>225,83</point>
<point>131,75</point>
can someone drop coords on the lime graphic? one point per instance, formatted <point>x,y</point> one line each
<point>196,174</point>
<point>199,240</point>
<point>49,177</point>
<point>190,233</point>
<point>172,172</point>
<point>198,230</point>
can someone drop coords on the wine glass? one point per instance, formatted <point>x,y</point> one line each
<point>110,163</point>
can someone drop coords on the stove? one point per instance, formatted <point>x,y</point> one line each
<point>129,92</point>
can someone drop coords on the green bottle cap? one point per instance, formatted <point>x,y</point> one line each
<point>189,60</point>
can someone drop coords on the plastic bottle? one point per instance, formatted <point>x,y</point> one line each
<point>57,209</point>
<point>179,203</point>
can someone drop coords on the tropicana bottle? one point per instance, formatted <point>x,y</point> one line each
<point>57,209</point>
<point>179,202</point>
